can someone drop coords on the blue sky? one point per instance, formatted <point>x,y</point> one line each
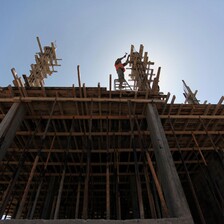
<point>184,37</point>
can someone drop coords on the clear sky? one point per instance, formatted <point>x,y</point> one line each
<point>184,37</point>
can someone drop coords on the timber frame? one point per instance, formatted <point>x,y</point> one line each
<point>97,153</point>
<point>84,137</point>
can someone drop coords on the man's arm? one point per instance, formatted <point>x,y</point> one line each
<point>127,60</point>
<point>122,57</point>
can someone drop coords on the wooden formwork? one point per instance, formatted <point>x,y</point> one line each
<point>94,142</point>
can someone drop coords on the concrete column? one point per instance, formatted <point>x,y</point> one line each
<point>171,185</point>
<point>9,126</point>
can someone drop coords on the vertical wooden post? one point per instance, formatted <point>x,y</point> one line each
<point>10,187</point>
<point>22,202</point>
<point>15,176</point>
<point>30,202</point>
<point>158,187</point>
<point>137,176</point>
<point>157,205</point>
<point>59,194</point>
<point>150,196</point>
<point>86,188</point>
<point>107,192</point>
<point>138,183</point>
<point>175,198</point>
<point>41,182</point>
<point>134,197</point>
<point>49,199</point>
<point>19,212</point>
<point>9,206</point>
<point>118,199</point>
<point>15,210</point>
<point>200,213</point>
<point>77,200</point>
<point>53,207</point>
<point>79,80</point>
<point>35,200</point>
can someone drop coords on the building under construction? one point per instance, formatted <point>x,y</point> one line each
<point>127,153</point>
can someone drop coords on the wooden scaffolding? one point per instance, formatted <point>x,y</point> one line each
<point>92,153</point>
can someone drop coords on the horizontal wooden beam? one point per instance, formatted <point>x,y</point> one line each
<point>216,117</point>
<point>119,117</point>
<point>71,99</point>
<point>74,151</point>
<point>92,164</point>
<point>85,117</point>
<point>116,133</point>
<point>93,174</point>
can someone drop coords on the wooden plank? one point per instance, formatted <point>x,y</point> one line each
<point>39,44</point>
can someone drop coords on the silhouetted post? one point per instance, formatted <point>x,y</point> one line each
<point>9,126</point>
<point>174,195</point>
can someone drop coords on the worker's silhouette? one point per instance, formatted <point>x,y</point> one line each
<point>120,68</point>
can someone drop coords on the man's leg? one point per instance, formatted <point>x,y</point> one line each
<point>120,77</point>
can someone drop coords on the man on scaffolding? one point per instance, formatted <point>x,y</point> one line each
<point>120,68</point>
